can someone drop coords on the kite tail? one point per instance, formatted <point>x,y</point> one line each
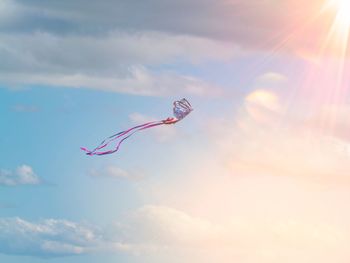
<point>122,136</point>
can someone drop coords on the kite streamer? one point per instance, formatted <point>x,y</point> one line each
<point>180,110</point>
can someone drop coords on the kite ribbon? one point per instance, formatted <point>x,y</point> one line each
<point>181,109</point>
<point>122,136</point>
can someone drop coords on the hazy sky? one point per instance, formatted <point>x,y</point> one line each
<point>258,172</point>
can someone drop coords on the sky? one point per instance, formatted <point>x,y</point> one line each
<point>258,172</point>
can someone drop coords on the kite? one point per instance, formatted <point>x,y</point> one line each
<point>180,110</point>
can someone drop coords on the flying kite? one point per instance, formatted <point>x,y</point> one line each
<point>180,110</point>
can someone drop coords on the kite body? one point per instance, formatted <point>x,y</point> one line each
<point>181,109</point>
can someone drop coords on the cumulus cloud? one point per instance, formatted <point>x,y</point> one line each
<point>48,238</point>
<point>23,175</point>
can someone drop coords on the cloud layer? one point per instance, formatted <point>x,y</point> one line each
<point>201,18</point>
<point>117,62</point>
<point>154,232</point>
<point>122,46</point>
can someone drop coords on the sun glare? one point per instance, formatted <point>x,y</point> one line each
<point>338,36</point>
<point>343,13</point>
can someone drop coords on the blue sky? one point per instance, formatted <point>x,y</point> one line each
<point>258,172</point>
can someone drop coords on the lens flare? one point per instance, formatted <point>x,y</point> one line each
<point>343,13</point>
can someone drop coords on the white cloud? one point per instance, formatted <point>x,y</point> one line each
<point>48,238</point>
<point>23,175</point>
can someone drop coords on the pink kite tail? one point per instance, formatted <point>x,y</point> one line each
<point>122,136</point>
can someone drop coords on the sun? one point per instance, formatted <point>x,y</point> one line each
<point>339,33</point>
<point>342,18</point>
